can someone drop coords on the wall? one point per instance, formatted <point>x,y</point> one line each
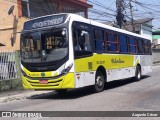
<point>156,55</point>
<point>158,41</point>
<point>7,23</point>
<point>146,31</point>
<point>10,24</point>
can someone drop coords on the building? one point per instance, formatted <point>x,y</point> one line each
<point>141,26</point>
<point>36,8</point>
<point>23,10</point>
<point>156,39</point>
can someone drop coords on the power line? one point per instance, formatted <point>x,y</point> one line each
<point>108,8</point>
<point>104,20</point>
<point>147,8</point>
<point>103,14</point>
<point>120,10</point>
<point>147,11</point>
<point>132,20</point>
<point>99,12</point>
<point>101,5</point>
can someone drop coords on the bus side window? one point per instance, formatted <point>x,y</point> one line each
<point>87,45</point>
<point>123,43</point>
<point>140,46</point>
<point>99,40</point>
<point>149,47</point>
<point>75,40</point>
<point>132,45</point>
<point>112,42</point>
<point>106,42</point>
<point>81,40</point>
<point>84,40</point>
<point>145,47</point>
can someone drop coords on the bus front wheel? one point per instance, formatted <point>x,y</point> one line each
<point>99,82</point>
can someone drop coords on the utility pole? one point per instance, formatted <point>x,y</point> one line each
<point>131,11</point>
<point>120,9</point>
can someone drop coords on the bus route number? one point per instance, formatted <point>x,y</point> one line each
<point>100,62</point>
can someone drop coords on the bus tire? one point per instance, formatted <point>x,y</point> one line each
<point>61,91</point>
<point>99,82</point>
<point>138,73</point>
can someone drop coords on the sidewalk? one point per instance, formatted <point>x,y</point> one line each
<point>18,95</point>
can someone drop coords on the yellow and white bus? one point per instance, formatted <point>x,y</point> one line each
<point>66,51</point>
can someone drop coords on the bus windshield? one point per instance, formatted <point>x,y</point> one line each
<point>44,46</point>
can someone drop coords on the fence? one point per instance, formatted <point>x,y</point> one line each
<point>9,66</point>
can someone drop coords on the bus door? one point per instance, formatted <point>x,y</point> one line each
<point>82,56</point>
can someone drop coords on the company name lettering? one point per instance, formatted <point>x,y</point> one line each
<point>114,60</point>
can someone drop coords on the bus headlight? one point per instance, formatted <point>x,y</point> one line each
<point>66,70</point>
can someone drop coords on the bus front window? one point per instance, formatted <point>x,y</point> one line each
<point>44,46</point>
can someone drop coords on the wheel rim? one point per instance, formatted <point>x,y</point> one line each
<point>139,74</point>
<point>99,81</point>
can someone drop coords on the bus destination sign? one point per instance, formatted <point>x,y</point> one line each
<point>44,22</point>
<point>51,22</point>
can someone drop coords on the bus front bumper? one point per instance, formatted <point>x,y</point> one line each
<point>63,82</point>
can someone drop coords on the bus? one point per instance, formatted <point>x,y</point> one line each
<point>67,51</point>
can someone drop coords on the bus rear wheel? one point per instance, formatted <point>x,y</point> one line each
<point>99,82</point>
<point>138,73</point>
<point>61,91</point>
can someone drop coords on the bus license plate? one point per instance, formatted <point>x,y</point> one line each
<point>43,81</point>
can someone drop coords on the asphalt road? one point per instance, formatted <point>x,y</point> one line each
<point>121,95</point>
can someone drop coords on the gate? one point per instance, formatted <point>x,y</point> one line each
<point>9,65</point>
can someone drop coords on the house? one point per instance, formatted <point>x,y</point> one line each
<point>140,26</point>
<point>156,39</point>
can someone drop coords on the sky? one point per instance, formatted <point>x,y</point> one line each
<point>105,10</point>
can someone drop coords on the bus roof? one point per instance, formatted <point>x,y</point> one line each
<point>102,25</point>
<point>55,19</point>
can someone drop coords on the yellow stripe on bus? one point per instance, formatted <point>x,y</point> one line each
<point>109,61</point>
<point>39,74</point>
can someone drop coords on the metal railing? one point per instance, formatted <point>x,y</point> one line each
<point>9,68</point>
